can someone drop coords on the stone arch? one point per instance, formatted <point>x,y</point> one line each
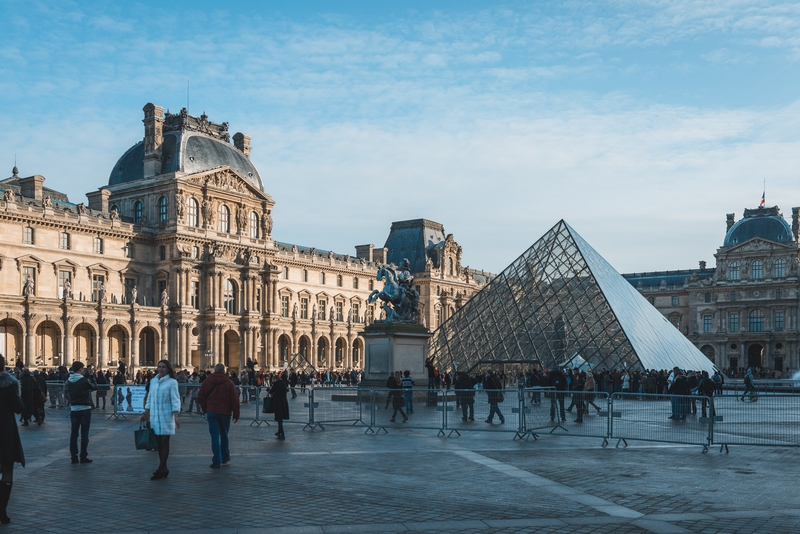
<point>284,347</point>
<point>755,355</point>
<point>322,358</point>
<point>118,344</point>
<point>709,351</point>
<point>48,345</point>
<point>84,343</point>
<point>148,346</point>
<point>232,349</point>
<point>11,339</point>
<point>357,353</point>
<point>340,352</point>
<point>304,346</point>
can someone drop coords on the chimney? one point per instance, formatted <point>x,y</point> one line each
<point>702,265</point>
<point>242,143</point>
<point>729,221</point>
<point>153,138</point>
<point>98,200</point>
<point>31,187</point>
<point>364,252</point>
<point>379,254</point>
<point>795,222</point>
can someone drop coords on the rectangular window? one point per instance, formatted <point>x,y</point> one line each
<point>707,298</point>
<point>322,305</point>
<point>339,280</point>
<point>733,296</point>
<point>284,306</point>
<point>340,311</point>
<point>195,296</point>
<point>162,253</point>
<point>756,321</point>
<point>779,321</point>
<point>285,273</point>
<point>63,241</point>
<point>27,235</point>
<point>674,301</point>
<point>63,278</point>
<point>371,284</point>
<point>707,324</point>
<point>778,294</point>
<point>98,282</point>
<point>98,245</point>
<point>322,278</point>
<point>129,250</point>
<point>733,322</point>
<point>304,308</point>
<point>355,282</point>
<point>356,313</point>
<point>29,273</point>
<point>305,275</point>
<point>258,299</point>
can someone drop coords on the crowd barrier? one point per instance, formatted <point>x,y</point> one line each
<point>764,420</point>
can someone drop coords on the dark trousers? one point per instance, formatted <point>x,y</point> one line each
<point>163,452</point>
<point>81,420</point>
<point>705,403</point>
<point>560,399</point>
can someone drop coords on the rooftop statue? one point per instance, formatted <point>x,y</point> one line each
<point>400,299</point>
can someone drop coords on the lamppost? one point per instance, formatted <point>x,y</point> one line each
<point>208,356</point>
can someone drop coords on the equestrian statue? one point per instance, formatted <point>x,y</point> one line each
<point>400,300</point>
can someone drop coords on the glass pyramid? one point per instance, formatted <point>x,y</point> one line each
<point>561,304</point>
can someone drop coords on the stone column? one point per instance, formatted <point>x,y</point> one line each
<point>102,360</point>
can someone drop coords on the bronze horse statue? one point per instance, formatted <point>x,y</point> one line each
<point>403,299</point>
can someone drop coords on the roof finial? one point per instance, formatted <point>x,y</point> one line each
<point>15,171</point>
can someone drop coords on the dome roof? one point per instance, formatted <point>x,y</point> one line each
<point>189,152</point>
<point>764,223</point>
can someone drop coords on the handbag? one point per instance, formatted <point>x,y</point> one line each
<point>500,398</point>
<point>145,438</point>
<point>268,408</point>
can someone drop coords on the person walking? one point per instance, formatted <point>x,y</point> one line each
<point>396,394</point>
<point>408,392</point>
<point>280,403</point>
<point>194,385</point>
<point>749,385</point>
<point>79,389</point>
<point>707,387</point>
<point>588,395</point>
<point>102,389</point>
<point>31,398</point>
<point>494,393</point>
<point>577,386</point>
<point>557,380</point>
<point>219,400</point>
<point>465,393</point>
<point>162,409</point>
<point>10,444</point>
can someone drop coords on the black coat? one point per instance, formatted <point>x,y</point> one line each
<point>279,402</point>
<point>10,404</point>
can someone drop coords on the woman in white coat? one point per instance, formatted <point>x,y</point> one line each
<point>162,409</point>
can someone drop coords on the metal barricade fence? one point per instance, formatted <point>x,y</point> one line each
<point>771,420</point>
<point>477,404</point>
<point>663,418</point>
<point>543,413</point>
<point>429,409</point>
<point>56,395</point>
<point>339,406</point>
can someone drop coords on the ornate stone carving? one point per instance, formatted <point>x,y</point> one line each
<point>266,223</point>
<point>180,204</point>
<point>27,288</point>
<point>185,122</point>
<point>81,208</point>
<point>241,220</point>
<point>46,202</point>
<point>224,179</point>
<point>208,212</point>
<point>114,215</point>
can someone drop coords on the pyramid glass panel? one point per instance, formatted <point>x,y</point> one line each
<point>560,301</point>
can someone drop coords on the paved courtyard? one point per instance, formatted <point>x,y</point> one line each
<point>409,480</point>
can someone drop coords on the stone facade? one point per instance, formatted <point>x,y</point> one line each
<point>742,313</point>
<point>175,258</point>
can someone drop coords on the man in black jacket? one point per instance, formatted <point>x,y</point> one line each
<point>79,390</point>
<point>465,393</point>
<point>558,381</point>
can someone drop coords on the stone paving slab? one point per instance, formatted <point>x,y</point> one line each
<point>340,480</point>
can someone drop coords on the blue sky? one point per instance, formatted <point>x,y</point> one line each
<point>640,123</point>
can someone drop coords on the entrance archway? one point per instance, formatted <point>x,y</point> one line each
<point>232,347</point>
<point>117,345</point>
<point>284,346</point>
<point>47,346</point>
<point>85,348</point>
<point>709,351</point>
<point>303,347</point>
<point>147,347</point>
<point>357,351</point>
<point>339,355</point>
<point>322,352</point>
<point>755,353</point>
<point>10,340</point>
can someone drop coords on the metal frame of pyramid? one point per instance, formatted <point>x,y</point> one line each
<point>560,301</point>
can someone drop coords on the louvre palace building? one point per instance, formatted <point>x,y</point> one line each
<point>175,257</point>
<point>743,312</point>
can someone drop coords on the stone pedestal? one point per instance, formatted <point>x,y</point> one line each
<point>394,347</point>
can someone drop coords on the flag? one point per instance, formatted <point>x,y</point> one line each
<point>763,195</point>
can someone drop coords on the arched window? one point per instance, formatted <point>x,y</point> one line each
<point>733,271</point>
<point>254,225</point>
<point>756,321</point>
<point>780,268</point>
<point>757,270</point>
<point>230,297</point>
<point>138,211</point>
<point>162,211</point>
<point>192,210</point>
<point>224,219</point>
